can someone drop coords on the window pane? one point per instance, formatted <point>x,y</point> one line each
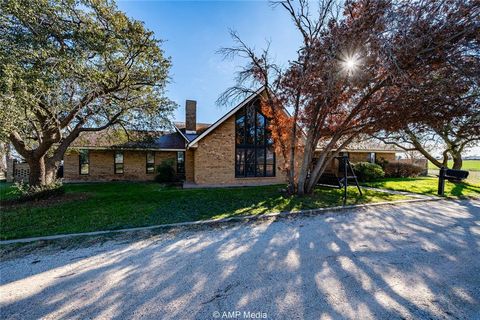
<point>118,157</point>
<point>240,163</point>
<point>119,168</point>
<point>260,162</point>
<point>270,170</point>
<point>84,168</point>
<point>83,156</point>
<point>268,133</point>
<point>240,129</point>
<point>250,125</point>
<point>270,156</point>
<point>260,139</point>
<point>180,157</point>
<point>83,162</point>
<point>150,168</point>
<point>150,157</point>
<point>250,162</point>
<point>180,162</point>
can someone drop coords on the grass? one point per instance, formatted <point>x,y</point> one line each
<point>108,206</point>
<point>428,186</point>
<point>469,165</point>
<point>7,192</point>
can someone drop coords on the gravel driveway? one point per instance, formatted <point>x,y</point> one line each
<point>415,261</point>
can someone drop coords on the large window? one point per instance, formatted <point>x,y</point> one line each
<point>84,162</point>
<point>150,162</point>
<point>371,157</point>
<point>254,156</point>
<point>118,162</point>
<point>181,163</point>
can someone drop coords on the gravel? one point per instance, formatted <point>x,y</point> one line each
<point>411,261</point>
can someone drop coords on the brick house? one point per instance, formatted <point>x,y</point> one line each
<point>235,150</point>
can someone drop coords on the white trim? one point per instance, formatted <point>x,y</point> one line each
<point>181,133</point>
<point>225,117</point>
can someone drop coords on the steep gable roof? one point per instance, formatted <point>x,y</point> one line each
<point>225,117</point>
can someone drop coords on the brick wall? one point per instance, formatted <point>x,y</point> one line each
<point>101,163</point>
<point>355,157</point>
<point>189,165</point>
<point>214,160</point>
<point>363,156</point>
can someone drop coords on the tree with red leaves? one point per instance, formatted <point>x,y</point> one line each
<point>356,64</point>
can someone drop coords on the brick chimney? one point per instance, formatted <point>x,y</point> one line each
<point>191,116</point>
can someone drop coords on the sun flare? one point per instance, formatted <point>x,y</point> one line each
<point>350,63</point>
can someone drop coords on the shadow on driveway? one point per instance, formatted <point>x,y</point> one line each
<point>419,260</point>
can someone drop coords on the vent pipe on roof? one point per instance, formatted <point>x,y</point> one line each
<point>191,116</point>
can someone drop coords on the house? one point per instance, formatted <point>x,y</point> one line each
<point>235,150</point>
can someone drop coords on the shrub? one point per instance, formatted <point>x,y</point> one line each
<point>166,172</point>
<point>367,171</point>
<point>28,193</point>
<point>402,170</point>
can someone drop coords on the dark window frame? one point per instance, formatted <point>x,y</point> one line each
<point>372,157</point>
<point>147,163</point>
<point>256,147</point>
<point>80,162</point>
<point>115,162</point>
<point>181,172</point>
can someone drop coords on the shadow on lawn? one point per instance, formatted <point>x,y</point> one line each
<point>460,189</point>
<point>339,266</point>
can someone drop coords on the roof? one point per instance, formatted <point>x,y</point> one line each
<point>368,144</point>
<point>131,139</point>
<point>225,117</point>
<point>201,127</point>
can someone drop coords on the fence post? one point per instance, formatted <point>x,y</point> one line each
<point>441,181</point>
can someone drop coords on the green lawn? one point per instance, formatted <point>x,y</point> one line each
<point>470,165</point>
<point>118,205</point>
<point>6,191</point>
<point>427,185</point>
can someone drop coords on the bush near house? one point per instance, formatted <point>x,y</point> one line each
<point>34,193</point>
<point>166,172</point>
<point>367,171</point>
<point>402,170</point>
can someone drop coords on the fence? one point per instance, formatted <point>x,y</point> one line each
<point>418,162</point>
<point>17,171</point>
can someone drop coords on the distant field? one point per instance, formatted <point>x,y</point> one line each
<point>471,165</point>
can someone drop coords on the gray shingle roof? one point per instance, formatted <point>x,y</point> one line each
<point>119,139</point>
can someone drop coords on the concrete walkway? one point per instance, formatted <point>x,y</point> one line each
<point>414,261</point>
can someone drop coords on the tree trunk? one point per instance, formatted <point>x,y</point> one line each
<point>42,172</point>
<point>37,171</point>
<point>308,154</point>
<point>457,161</point>
<point>317,172</point>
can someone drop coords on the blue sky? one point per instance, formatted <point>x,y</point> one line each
<point>195,30</point>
